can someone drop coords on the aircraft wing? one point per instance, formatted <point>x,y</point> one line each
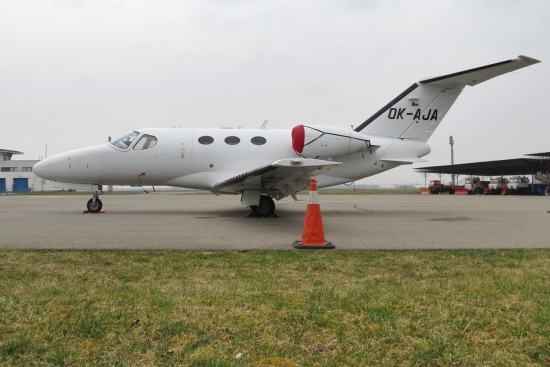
<point>280,178</point>
<point>404,160</point>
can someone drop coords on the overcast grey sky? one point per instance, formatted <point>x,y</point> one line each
<point>74,72</point>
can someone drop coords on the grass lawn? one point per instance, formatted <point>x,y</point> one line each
<point>265,308</point>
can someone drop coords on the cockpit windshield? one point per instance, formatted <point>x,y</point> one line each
<point>125,141</point>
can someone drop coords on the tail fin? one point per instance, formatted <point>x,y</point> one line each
<point>416,113</point>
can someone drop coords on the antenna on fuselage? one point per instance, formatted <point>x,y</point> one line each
<point>264,125</point>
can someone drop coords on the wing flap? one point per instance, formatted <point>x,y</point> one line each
<point>404,160</point>
<point>278,179</point>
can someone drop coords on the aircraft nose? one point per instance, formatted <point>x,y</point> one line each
<point>55,168</point>
<point>74,166</point>
<point>49,168</point>
<point>52,168</point>
<point>42,169</point>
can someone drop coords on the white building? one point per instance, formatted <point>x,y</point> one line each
<point>17,176</point>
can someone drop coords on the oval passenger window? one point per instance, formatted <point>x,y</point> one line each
<point>258,140</point>
<point>206,140</point>
<point>232,140</point>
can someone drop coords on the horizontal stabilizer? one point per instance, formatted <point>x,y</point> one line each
<point>479,75</point>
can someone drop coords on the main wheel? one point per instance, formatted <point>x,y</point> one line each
<point>94,205</point>
<point>266,208</point>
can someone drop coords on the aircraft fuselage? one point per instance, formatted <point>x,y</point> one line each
<point>179,158</point>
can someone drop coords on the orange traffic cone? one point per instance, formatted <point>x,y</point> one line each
<point>313,235</point>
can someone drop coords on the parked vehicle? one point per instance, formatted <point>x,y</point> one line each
<point>436,187</point>
<point>474,185</point>
<point>519,185</point>
<point>499,186</point>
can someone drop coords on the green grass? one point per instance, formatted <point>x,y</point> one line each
<point>116,308</point>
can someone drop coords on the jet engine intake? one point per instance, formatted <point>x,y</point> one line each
<point>314,141</point>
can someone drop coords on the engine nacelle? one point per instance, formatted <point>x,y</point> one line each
<point>313,141</point>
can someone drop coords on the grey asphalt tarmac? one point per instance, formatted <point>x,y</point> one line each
<point>207,222</point>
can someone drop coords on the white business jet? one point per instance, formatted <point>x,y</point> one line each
<point>266,164</point>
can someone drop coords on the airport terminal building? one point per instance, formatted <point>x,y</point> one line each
<point>16,176</point>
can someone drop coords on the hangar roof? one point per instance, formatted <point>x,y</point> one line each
<point>507,167</point>
<point>541,155</point>
<point>10,151</point>
<point>5,154</point>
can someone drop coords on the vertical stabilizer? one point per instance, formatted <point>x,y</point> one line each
<point>416,113</point>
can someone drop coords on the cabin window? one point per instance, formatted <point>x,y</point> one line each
<point>125,141</point>
<point>258,140</point>
<point>146,142</point>
<point>232,140</point>
<point>206,140</point>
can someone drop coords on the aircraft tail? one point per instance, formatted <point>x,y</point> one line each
<point>416,113</point>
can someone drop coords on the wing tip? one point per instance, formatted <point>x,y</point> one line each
<point>530,60</point>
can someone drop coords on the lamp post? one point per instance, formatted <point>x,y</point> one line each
<point>452,143</point>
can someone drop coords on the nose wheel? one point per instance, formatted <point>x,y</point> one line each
<point>94,205</point>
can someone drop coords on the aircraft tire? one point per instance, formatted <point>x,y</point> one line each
<point>266,208</point>
<point>94,206</point>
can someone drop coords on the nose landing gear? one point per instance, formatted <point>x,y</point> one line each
<point>94,205</point>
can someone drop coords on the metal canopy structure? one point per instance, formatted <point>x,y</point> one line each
<point>507,167</point>
<point>540,155</point>
<point>5,154</point>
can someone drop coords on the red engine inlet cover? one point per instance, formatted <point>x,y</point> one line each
<point>298,137</point>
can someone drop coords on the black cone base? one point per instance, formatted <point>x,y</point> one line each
<point>300,246</point>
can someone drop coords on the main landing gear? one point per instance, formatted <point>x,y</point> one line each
<point>94,205</point>
<point>266,207</point>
